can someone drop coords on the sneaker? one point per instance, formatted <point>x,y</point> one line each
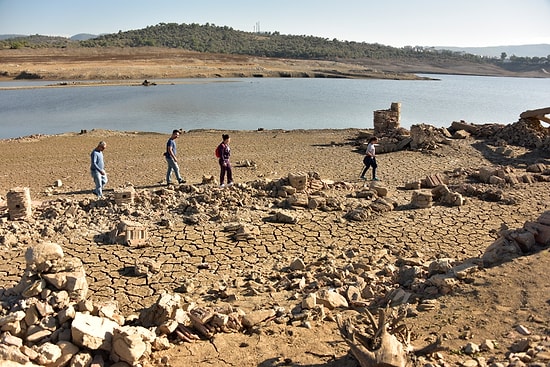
<point>362,177</point>
<point>230,184</point>
<point>222,186</point>
<point>182,181</point>
<point>376,179</point>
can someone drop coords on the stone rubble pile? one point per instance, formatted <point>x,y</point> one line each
<point>47,319</point>
<point>518,242</point>
<point>526,132</point>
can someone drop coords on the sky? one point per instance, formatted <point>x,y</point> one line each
<point>398,23</point>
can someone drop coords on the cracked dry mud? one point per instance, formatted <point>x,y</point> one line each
<point>490,306</point>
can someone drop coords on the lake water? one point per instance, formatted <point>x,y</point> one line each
<point>278,103</point>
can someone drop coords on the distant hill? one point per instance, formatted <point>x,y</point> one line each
<point>83,37</point>
<point>8,36</point>
<point>209,38</point>
<point>537,50</point>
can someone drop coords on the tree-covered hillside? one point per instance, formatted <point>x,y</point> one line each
<point>226,40</point>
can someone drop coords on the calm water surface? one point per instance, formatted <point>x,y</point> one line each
<point>249,104</point>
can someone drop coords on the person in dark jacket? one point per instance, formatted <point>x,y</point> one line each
<point>223,153</point>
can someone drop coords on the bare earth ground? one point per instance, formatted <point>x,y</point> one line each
<point>490,306</point>
<point>125,65</point>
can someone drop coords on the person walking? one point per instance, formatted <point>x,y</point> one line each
<point>171,160</point>
<point>370,159</point>
<point>97,169</point>
<point>223,152</point>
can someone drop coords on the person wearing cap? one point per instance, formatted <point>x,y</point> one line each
<point>97,169</point>
<point>171,160</point>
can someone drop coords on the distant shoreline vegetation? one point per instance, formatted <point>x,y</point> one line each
<point>209,38</point>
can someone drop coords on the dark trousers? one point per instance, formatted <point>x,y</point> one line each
<point>225,168</point>
<point>369,162</point>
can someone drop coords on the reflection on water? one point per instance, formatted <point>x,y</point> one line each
<point>249,104</point>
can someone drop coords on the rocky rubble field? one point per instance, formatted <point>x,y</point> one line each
<point>452,243</point>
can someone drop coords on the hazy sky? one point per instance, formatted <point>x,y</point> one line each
<point>466,23</point>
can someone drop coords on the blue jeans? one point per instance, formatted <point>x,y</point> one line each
<point>100,181</point>
<point>172,166</point>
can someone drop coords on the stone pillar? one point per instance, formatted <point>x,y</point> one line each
<point>387,120</point>
<point>19,203</point>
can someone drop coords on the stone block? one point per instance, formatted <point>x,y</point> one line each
<point>421,199</point>
<point>124,195</point>
<point>298,180</point>
<point>435,180</point>
<point>19,203</point>
<point>92,332</point>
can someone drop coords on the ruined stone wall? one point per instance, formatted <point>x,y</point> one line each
<point>387,120</point>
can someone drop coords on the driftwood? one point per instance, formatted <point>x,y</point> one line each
<point>382,348</point>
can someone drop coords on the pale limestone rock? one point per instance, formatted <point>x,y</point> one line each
<point>48,353</point>
<point>310,301</point>
<point>110,310</point>
<point>68,351</point>
<point>131,344</point>
<point>82,359</point>
<point>163,310</point>
<point>471,348</point>
<point>413,185</point>
<point>284,217</point>
<point>485,173</point>
<point>421,199</point>
<point>13,354</point>
<point>331,299</point>
<point>12,317</point>
<point>298,199</point>
<point>40,257</point>
<point>445,283</point>
<point>440,266</point>
<point>36,333</point>
<point>461,134</point>
<point>255,317</point>
<point>146,267</point>
<point>8,339</point>
<point>378,187</point>
<point>66,314</point>
<point>435,180</point>
<point>92,332</point>
<point>382,205</point>
<point>34,288</point>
